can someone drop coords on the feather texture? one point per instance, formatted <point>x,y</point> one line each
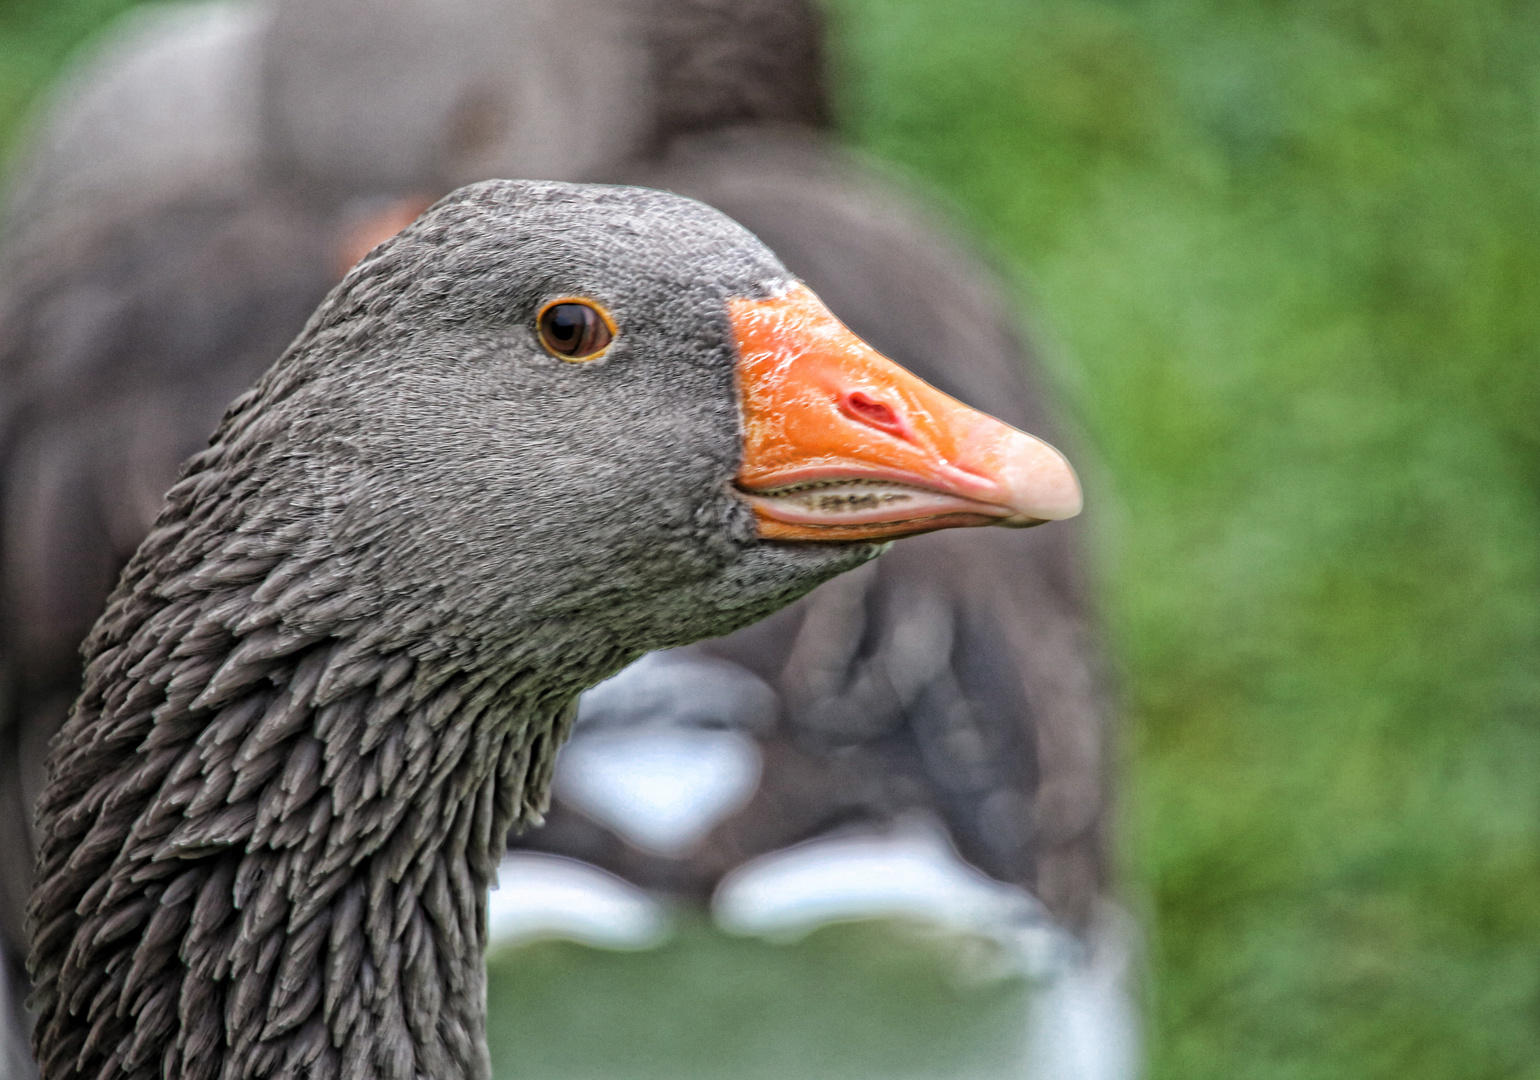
<point>336,671</point>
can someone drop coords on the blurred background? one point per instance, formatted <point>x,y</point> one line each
<point>1282,261</point>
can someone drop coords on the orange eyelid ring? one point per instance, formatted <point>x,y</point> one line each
<point>841,443</point>
<point>575,329</point>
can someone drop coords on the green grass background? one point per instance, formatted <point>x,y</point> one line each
<point>1286,260</point>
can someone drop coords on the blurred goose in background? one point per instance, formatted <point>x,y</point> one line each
<point>154,268</point>
<point>333,101</point>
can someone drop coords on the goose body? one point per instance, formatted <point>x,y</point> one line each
<point>336,672</point>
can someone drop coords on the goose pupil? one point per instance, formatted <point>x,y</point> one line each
<point>567,324</point>
<point>573,330</point>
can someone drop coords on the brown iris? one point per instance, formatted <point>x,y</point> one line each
<point>575,329</point>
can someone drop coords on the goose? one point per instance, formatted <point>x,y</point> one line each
<point>544,430</point>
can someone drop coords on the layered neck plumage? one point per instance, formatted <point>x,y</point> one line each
<point>272,817</point>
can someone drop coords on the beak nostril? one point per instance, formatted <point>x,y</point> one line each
<point>868,410</point>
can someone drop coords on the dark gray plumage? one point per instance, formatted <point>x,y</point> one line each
<point>120,353</point>
<point>336,671</point>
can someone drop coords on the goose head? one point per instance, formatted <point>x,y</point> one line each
<point>547,402</point>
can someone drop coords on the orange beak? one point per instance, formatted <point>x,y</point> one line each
<point>840,443</point>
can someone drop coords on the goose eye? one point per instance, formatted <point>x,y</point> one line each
<point>575,329</point>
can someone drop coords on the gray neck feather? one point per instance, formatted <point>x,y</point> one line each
<point>276,809</point>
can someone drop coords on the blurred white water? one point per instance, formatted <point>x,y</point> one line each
<point>1081,1023</point>
<point>539,896</point>
<point>662,790</point>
